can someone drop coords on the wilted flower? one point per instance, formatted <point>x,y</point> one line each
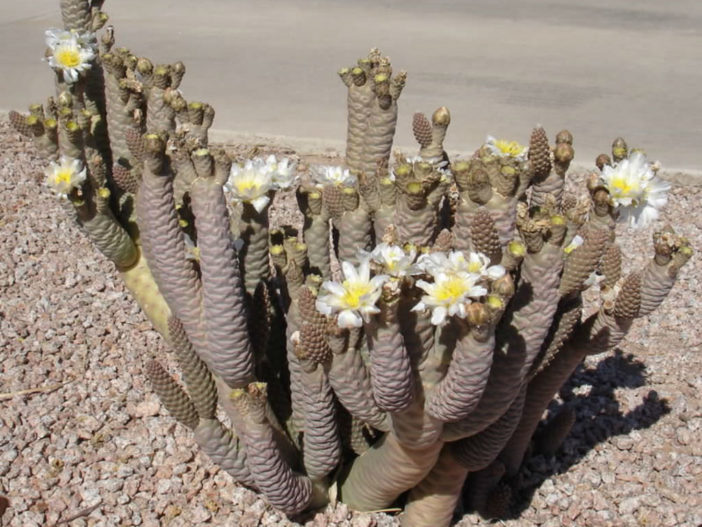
<point>337,176</point>
<point>394,260</point>
<point>353,299</point>
<point>65,175</point>
<point>503,148</point>
<point>448,295</point>
<point>71,53</point>
<point>637,193</point>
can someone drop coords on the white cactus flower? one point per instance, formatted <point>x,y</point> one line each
<point>635,190</point>
<point>71,53</point>
<point>455,262</point>
<point>504,148</point>
<point>448,295</point>
<point>576,242</point>
<point>394,260</point>
<point>331,175</point>
<point>66,175</point>
<point>282,171</point>
<point>353,299</point>
<point>479,264</point>
<point>439,164</point>
<point>451,262</point>
<point>250,183</point>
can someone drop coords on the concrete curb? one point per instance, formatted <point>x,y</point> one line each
<point>310,145</point>
<point>331,147</point>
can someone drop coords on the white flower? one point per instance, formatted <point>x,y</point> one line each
<point>70,52</point>
<point>440,262</point>
<point>394,260</point>
<point>635,190</point>
<point>479,264</point>
<point>65,175</point>
<point>576,242</point>
<point>337,176</point>
<point>282,172</point>
<point>353,299</point>
<point>438,163</point>
<point>250,183</point>
<point>448,295</point>
<point>455,262</point>
<point>503,148</point>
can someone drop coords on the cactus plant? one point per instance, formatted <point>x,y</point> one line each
<point>427,355</point>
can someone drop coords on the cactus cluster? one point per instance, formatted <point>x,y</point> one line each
<point>407,338</point>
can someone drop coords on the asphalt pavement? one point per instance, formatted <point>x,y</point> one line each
<point>599,68</point>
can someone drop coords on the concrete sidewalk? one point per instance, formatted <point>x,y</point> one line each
<point>269,66</point>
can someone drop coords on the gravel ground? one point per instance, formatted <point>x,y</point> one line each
<point>84,441</point>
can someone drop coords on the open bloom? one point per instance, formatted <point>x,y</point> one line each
<point>503,148</point>
<point>448,295</point>
<point>337,176</point>
<point>282,171</point>
<point>479,264</point>
<point>250,183</point>
<point>71,53</point>
<point>394,260</point>
<point>476,264</point>
<point>637,193</point>
<point>353,299</point>
<point>65,175</point>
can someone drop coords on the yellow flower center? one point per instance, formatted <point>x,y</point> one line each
<point>246,185</point>
<point>510,148</point>
<point>450,290</point>
<point>475,267</point>
<point>624,186</point>
<point>67,57</point>
<point>63,176</point>
<point>353,292</point>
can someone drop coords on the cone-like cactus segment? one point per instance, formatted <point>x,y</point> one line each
<point>172,395</point>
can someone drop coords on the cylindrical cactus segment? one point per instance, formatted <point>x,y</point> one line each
<point>460,390</point>
<point>231,356</point>
<point>164,246</point>
<point>391,371</point>
<point>321,440</point>
<point>372,111</point>
<point>76,15</point>
<point>253,229</point>
<point>433,150</point>
<point>111,239</point>
<point>385,471</point>
<point>433,501</point>
<point>477,452</point>
<point>349,377</point>
<point>284,489</point>
<point>225,449</point>
<point>583,260</point>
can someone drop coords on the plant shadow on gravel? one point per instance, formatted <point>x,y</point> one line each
<point>598,416</point>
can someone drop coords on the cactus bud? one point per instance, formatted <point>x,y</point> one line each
<point>620,150</point>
